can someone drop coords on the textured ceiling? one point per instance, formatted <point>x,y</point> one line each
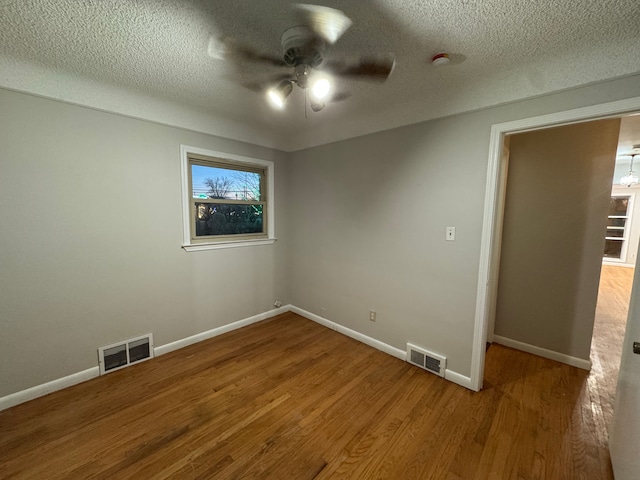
<point>148,58</point>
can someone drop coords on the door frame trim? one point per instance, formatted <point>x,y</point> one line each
<point>491,222</point>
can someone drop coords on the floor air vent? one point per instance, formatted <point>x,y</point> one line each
<point>429,361</point>
<point>120,355</point>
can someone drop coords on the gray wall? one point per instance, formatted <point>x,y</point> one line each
<point>558,193</point>
<point>368,233</point>
<point>90,235</point>
<point>368,224</point>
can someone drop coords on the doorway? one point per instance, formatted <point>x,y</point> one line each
<point>564,185</point>
<point>626,423</point>
<point>496,182</point>
<point>557,198</point>
<point>616,279</point>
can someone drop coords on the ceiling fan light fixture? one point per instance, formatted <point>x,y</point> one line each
<point>630,178</point>
<point>279,94</point>
<point>317,105</point>
<point>321,88</point>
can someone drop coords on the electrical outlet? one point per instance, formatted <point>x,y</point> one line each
<point>323,312</point>
<point>372,315</point>
<point>277,304</point>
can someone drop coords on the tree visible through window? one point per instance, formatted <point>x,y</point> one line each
<point>228,199</point>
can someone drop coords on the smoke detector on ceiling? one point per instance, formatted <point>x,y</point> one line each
<point>440,59</point>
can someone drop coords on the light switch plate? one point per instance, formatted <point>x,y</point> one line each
<point>451,234</point>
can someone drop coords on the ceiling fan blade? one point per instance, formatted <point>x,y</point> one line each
<point>328,23</point>
<point>338,97</point>
<point>229,49</point>
<point>257,87</point>
<point>319,104</point>
<point>263,86</point>
<point>376,69</point>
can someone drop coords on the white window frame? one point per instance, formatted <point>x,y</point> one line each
<point>187,243</point>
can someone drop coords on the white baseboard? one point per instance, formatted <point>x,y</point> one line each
<point>185,342</point>
<point>377,344</point>
<point>459,379</point>
<point>22,396</point>
<point>372,342</point>
<point>619,264</point>
<point>543,352</point>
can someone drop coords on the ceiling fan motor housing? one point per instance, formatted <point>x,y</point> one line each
<point>301,46</point>
<point>302,75</point>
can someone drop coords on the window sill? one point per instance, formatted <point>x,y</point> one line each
<point>196,247</point>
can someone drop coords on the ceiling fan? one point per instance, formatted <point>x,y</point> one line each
<point>304,47</point>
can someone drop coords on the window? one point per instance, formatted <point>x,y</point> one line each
<point>227,200</point>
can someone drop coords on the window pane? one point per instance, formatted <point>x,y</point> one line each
<point>612,248</point>
<point>225,183</point>
<point>618,206</point>
<point>228,219</point>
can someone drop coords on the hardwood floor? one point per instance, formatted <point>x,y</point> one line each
<point>608,334</point>
<point>289,399</point>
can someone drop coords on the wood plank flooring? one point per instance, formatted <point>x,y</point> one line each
<point>608,335</point>
<point>289,399</point>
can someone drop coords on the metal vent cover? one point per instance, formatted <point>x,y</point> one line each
<point>119,355</point>
<point>426,360</point>
<point>432,364</point>
<point>417,358</point>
